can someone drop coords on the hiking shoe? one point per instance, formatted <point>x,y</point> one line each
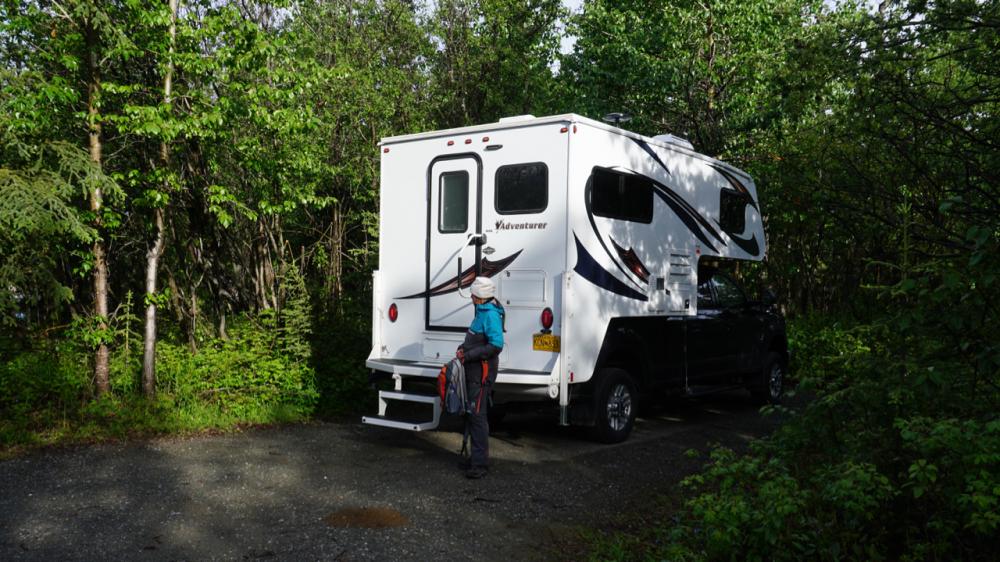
<point>476,472</point>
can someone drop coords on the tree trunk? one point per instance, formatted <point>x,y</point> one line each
<point>193,314</point>
<point>101,368</point>
<point>154,253</point>
<point>149,340</point>
<point>335,266</point>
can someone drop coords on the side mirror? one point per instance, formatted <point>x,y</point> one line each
<point>768,297</point>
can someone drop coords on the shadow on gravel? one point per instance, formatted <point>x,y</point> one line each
<point>349,491</point>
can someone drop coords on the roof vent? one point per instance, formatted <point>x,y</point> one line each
<point>515,118</point>
<point>675,140</point>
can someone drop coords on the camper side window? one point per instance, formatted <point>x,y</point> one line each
<point>453,202</point>
<point>621,196</point>
<point>732,211</point>
<point>522,188</point>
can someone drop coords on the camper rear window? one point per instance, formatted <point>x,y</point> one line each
<point>453,204</point>
<point>621,196</point>
<point>522,188</point>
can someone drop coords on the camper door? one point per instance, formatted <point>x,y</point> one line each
<point>454,239</point>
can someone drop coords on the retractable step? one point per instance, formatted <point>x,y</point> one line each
<point>704,390</point>
<point>384,396</point>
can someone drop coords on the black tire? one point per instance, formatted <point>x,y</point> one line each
<point>770,383</point>
<point>615,400</point>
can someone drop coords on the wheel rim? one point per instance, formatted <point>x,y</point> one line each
<point>774,380</point>
<point>619,407</point>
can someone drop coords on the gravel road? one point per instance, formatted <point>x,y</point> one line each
<point>351,492</point>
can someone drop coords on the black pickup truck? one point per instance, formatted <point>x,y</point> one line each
<point>732,342</point>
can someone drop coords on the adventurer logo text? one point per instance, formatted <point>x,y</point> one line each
<point>502,225</point>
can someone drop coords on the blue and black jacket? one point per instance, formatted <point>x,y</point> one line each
<point>484,340</point>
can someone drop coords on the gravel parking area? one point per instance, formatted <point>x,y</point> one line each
<point>351,492</point>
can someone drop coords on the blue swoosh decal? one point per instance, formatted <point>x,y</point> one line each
<point>589,269</point>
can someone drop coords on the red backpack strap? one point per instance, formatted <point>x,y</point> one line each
<point>443,382</point>
<point>482,384</point>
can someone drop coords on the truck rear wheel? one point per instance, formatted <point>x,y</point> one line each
<point>616,400</point>
<point>771,382</point>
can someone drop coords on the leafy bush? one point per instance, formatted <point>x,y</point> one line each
<point>895,453</point>
<point>260,375</point>
<point>244,377</point>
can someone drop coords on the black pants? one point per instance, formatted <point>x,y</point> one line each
<point>479,396</point>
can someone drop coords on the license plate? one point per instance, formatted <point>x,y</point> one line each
<point>545,342</point>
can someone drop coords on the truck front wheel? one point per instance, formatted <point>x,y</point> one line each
<point>770,385</point>
<point>616,400</point>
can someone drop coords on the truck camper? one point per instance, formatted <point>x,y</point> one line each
<point>593,236</point>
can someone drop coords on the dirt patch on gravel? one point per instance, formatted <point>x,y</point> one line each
<point>366,518</point>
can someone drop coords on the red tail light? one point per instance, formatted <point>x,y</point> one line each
<point>393,312</point>
<point>547,318</point>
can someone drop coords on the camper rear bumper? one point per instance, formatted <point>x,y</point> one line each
<point>403,367</point>
<point>407,368</point>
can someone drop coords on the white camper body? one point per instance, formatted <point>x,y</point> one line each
<point>564,213</point>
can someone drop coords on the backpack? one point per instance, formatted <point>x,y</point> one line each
<point>451,387</point>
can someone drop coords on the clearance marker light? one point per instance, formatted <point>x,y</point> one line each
<point>393,312</point>
<point>468,141</point>
<point>547,318</point>
<point>451,143</point>
<point>486,139</point>
<point>385,150</point>
<point>564,129</point>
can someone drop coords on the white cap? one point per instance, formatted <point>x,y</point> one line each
<point>483,288</point>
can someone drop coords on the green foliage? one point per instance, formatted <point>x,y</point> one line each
<point>39,223</point>
<point>712,72</point>
<point>494,59</point>
<point>340,347</point>
<point>254,377</point>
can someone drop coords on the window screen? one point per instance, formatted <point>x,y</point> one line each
<point>621,196</point>
<point>453,202</point>
<point>522,188</point>
<point>732,211</point>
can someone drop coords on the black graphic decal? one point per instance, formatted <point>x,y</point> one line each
<point>632,261</point>
<point>748,245</point>
<point>649,150</point>
<point>593,225</point>
<point>737,185</point>
<point>589,269</point>
<point>488,268</point>
<point>691,218</point>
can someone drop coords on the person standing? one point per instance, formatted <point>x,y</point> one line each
<point>480,354</point>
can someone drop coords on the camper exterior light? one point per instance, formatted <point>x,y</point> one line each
<point>393,312</point>
<point>547,318</point>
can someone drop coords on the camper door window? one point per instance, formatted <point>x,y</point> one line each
<point>453,202</point>
<point>522,188</point>
<point>627,197</point>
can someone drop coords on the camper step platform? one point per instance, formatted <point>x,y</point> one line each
<point>408,420</point>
